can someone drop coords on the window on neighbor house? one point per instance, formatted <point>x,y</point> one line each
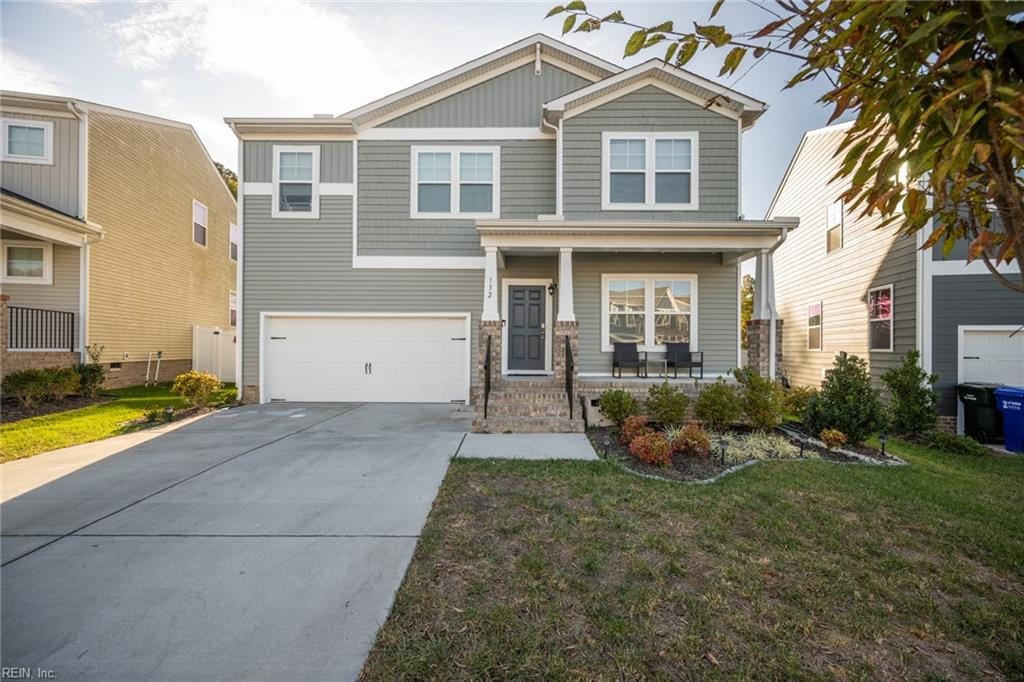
<point>232,309</point>
<point>814,340</point>
<point>233,241</point>
<point>834,227</point>
<point>880,317</point>
<point>27,262</point>
<point>649,171</point>
<point>649,311</point>
<point>296,182</point>
<point>452,182</point>
<point>200,218</point>
<point>26,141</point>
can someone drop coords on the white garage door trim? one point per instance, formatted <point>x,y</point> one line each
<point>265,316</point>
<point>960,332</point>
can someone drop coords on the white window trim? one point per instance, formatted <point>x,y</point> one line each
<point>648,280</point>
<point>47,127</point>
<point>455,151</point>
<point>314,212</point>
<point>649,170</point>
<point>232,306</point>
<point>820,326</point>
<point>47,248</point>
<point>841,225</point>
<point>232,240</point>
<point>206,225</point>
<point>892,319</point>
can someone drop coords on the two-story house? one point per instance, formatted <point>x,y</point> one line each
<point>488,234</point>
<point>117,232</point>
<point>844,284</point>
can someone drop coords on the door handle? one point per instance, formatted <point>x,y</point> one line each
<point>371,368</point>
<point>366,368</point>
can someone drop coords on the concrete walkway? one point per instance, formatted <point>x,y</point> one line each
<point>527,446</point>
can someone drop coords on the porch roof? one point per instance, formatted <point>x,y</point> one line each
<point>30,218</point>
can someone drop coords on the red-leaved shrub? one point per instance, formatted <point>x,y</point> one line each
<point>692,441</point>
<point>632,427</point>
<point>652,448</point>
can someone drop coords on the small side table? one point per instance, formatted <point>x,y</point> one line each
<point>660,365</point>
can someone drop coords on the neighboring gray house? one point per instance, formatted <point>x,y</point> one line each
<point>842,284</point>
<point>537,201</point>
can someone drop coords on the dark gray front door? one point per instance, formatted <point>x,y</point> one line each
<point>526,328</point>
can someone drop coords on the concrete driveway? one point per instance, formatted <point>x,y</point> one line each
<point>257,543</point>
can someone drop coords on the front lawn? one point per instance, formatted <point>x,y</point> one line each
<point>41,434</point>
<point>787,570</point>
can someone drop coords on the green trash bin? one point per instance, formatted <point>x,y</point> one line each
<point>982,420</point>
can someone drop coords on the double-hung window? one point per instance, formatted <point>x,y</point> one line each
<point>834,227</point>
<point>27,141</point>
<point>455,182</point>
<point>232,309</point>
<point>649,171</point>
<point>296,179</point>
<point>814,326</point>
<point>648,310</point>
<point>200,219</point>
<point>27,262</point>
<point>880,311</point>
<point>233,241</point>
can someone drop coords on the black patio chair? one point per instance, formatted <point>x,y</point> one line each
<point>627,355</point>
<point>679,355</point>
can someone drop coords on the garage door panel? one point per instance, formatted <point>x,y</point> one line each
<point>993,356</point>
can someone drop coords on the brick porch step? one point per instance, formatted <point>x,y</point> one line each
<point>517,408</point>
<point>495,424</point>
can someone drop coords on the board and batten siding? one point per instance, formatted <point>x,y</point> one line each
<point>805,274</point>
<point>513,99</point>
<point>306,265</point>
<point>650,109</point>
<point>335,160</point>
<point>385,226</point>
<point>63,294</point>
<point>54,185</point>
<point>965,300</point>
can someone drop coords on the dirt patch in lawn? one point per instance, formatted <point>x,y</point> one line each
<point>13,411</point>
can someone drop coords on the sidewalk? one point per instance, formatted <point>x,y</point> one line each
<point>535,446</point>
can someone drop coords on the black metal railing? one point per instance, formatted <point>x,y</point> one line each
<point>570,367</point>
<point>487,375</point>
<point>39,329</point>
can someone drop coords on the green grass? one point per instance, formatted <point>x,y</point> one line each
<point>41,434</point>
<point>786,570</point>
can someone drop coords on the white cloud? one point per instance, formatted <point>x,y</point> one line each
<point>27,75</point>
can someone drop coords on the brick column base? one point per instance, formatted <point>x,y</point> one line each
<point>563,331</point>
<point>490,329</point>
<point>758,334</point>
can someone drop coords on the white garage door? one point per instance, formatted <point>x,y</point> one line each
<point>366,359</point>
<point>992,355</point>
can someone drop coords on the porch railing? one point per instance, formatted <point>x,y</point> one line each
<point>570,368</point>
<point>487,375</point>
<point>39,329</point>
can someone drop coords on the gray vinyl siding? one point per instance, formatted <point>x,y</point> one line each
<point>385,226</point>
<point>63,294</point>
<point>306,265</point>
<point>335,160</point>
<point>965,300</point>
<point>512,99</point>
<point>54,185</point>
<point>651,109</point>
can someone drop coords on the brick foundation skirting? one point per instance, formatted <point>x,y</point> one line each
<point>758,336</point>
<point>946,423</point>
<point>16,361</point>
<point>134,373</point>
<point>250,394</point>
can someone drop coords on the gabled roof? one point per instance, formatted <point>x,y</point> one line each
<point>711,94</point>
<point>530,46</point>
<point>834,128</point>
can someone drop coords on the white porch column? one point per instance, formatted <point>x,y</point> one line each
<point>763,287</point>
<point>566,313</point>
<point>490,311</point>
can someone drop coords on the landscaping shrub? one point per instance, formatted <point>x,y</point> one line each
<point>90,378</point>
<point>632,427</point>
<point>692,440</point>
<point>154,413</point>
<point>762,399</point>
<point>757,445</point>
<point>797,400</point>
<point>195,387</point>
<point>846,401</point>
<point>28,386</point>
<point>913,402</point>
<point>833,438</point>
<point>718,405</point>
<point>60,382</point>
<point>617,404</point>
<point>955,444</point>
<point>666,404</point>
<point>652,448</point>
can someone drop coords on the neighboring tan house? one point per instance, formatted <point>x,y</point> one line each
<point>538,200</point>
<point>117,231</point>
<point>842,284</point>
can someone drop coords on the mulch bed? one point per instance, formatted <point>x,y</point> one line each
<point>179,414</point>
<point>683,468</point>
<point>13,411</point>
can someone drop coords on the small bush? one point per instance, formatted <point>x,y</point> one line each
<point>61,382</point>
<point>90,379</point>
<point>617,404</point>
<point>762,399</point>
<point>666,404</point>
<point>154,413</point>
<point>633,427</point>
<point>955,444</point>
<point>797,400</point>
<point>742,448</point>
<point>846,402</point>
<point>913,403</point>
<point>27,386</point>
<point>718,405</point>
<point>195,387</point>
<point>833,438</point>
<point>692,440</point>
<point>652,448</point>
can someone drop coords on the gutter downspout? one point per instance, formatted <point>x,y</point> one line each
<point>239,295</point>
<point>770,264</point>
<point>558,161</point>
<point>83,213</point>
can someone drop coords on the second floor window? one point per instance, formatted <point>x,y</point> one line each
<point>200,219</point>
<point>27,141</point>
<point>296,182</point>
<point>649,171</point>
<point>233,242</point>
<point>834,227</point>
<point>455,182</point>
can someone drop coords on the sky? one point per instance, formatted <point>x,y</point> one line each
<point>199,62</point>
